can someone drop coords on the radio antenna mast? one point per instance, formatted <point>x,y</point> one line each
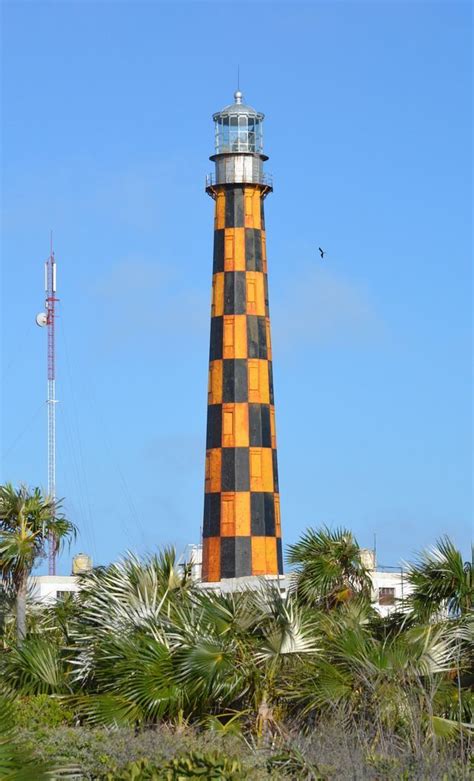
<point>47,319</point>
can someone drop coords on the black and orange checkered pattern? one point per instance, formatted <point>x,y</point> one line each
<point>242,531</point>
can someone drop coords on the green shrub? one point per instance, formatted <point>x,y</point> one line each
<point>16,762</point>
<point>41,711</point>
<point>100,751</point>
<point>208,767</point>
<point>324,751</point>
<point>291,763</point>
<point>93,751</point>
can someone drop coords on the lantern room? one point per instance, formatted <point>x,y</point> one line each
<point>238,153</point>
<point>238,128</point>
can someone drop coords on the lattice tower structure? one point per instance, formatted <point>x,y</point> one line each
<point>51,301</point>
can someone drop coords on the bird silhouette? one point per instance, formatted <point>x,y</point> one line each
<point>322,252</point>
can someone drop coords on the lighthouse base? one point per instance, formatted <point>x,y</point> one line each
<point>251,583</point>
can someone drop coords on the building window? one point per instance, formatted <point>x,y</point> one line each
<point>386,596</point>
<point>62,594</point>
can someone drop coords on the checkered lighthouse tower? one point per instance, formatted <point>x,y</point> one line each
<point>241,530</point>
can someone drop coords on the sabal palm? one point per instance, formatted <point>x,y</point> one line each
<point>140,643</point>
<point>27,521</point>
<point>329,569</point>
<point>242,645</point>
<point>120,649</point>
<point>393,681</point>
<point>441,580</point>
<point>148,651</point>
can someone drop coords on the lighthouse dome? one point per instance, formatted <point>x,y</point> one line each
<point>238,107</point>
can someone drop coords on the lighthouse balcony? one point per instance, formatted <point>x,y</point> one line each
<point>239,175</point>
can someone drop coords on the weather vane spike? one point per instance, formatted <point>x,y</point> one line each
<point>238,77</point>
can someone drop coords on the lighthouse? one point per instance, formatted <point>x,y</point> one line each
<point>241,527</point>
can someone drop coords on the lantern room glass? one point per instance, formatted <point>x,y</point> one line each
<point>238,133</point>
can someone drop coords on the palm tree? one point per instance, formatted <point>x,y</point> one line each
<point>27,521</point>
<point>441,580</point>
<point>329,568</point>
<point>7,604</point>
<point>148,645</point>
<point>391,683</point>
<point>140,644</point>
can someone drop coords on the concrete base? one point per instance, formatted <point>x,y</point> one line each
<point>252,583</point>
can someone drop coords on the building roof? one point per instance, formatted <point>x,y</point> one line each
<point>238,107</point>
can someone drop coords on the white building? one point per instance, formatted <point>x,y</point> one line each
<point>48,588</point>
<point>390,587</point>
<point>389,584</point>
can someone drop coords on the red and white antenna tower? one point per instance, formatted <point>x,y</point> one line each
<point>48,319</point>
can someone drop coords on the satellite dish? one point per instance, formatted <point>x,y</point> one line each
<point>42,319</point>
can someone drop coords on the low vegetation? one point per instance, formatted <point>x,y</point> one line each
<point>144,675</point>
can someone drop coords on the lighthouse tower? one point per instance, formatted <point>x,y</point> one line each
<point>241,529</point>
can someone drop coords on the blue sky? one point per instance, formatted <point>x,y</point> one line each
<point>106,136</point>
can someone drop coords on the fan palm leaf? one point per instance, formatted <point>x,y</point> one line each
<point>37,666</point>
<point>328,567</point>
<point>441,581</point>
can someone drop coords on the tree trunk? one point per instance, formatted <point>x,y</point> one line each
<point>264,719</point>
<point>21,611</point>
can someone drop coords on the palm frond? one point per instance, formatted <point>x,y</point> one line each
<point>291,631</point>
<point>37,667</point>
<point>328,567</point>
<point>441,581</point>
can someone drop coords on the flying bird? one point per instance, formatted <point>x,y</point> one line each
<point>322,252</point>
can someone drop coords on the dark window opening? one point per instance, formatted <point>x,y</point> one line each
<point>386,596</point>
